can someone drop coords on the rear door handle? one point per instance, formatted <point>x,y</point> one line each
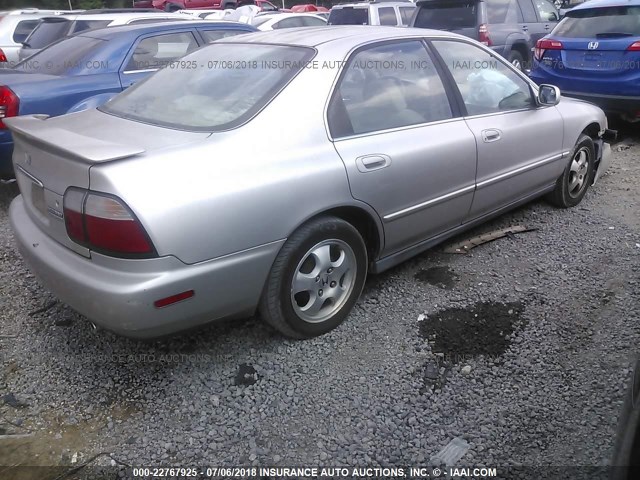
<point>368,163</point>
<point>547,27</point>
<point>491,135</point>
<point>525,28</point>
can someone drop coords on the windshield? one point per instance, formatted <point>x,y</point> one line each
<point>593,22</point>
<point>70,56</point>
<point>47,32</point>
<point>349,16</point>
<point>212,96</point>
<point>447,16</point>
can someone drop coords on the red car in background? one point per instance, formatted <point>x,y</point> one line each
<point>308,8</point>
<point>174,5</point>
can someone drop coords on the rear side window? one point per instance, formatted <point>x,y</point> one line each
<point>387,86</point>
<point>447,15</point>
<point>313,22</point>
<point>213,35</point>
<point>82,25</point>
<point>502,11</point>
<point>291,22</point>
<point>607,22</point>
<point>405,14</point>
<point>157,51</point>
<point>71,56</point>
<point>23,29</point>
<point>47,32</point>
<point>349,16</point>
<point>387,16</point>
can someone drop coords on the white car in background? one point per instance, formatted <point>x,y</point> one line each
<point>206,14</point>
<point>15,27</point>
<point>275,21</point>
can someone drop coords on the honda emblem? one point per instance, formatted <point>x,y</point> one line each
<point>593,45</point>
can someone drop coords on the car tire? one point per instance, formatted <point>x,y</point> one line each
<point>171,8</point>
<point>316,278</point>
<point>577,176</point>
<point>515,59</point>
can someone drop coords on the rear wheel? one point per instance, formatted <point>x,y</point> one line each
<point>172,7</point>
<point>576,178</point>
<point>316,279</point>
<point>515,59</point>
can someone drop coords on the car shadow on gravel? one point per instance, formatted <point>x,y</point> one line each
<point>458,335</point>
<point>7,193</point>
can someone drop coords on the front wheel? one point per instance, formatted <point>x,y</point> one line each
<point>574,181</point>
<point>316,279</point>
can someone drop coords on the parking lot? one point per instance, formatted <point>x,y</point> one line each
<point>522,346</point>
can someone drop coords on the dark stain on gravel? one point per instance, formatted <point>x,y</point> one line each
<point>442,277</point>
<point>481,329</point>
<point>246,375</point>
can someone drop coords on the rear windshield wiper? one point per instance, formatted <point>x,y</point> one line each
<point>613,34</point>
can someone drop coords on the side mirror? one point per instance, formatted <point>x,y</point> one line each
<point>548,95</point>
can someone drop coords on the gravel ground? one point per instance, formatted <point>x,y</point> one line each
<point>523,347</point>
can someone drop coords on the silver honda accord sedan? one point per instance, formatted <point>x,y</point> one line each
<point>272,172</point>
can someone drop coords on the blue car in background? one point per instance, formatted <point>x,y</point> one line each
<point>594,54</point>
<point>86,70</point>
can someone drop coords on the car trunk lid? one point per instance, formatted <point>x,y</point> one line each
<point>52,154</point>
<point>599,57</point>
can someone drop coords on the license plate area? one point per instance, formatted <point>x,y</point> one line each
<point>37,198</point>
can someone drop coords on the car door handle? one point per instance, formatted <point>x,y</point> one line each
<point>368,163</point>
<point>491,135</point>
<point>525,28</point>
<point>547,27</point>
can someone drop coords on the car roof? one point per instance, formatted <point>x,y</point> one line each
<point>348,35</point>
<point>142,28</point>
<point>123,16</point>
<point>606,3</point>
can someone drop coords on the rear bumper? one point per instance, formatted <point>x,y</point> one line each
<point>119,294</point>
<point>609,103</point>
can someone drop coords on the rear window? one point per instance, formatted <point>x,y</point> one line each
<point>447,16</point>
<point>47,32</point>
<point>349,16</point>
<point>82,25</point>
<point>211,97</point>
<point>71,56</point>
<point>600,23</point>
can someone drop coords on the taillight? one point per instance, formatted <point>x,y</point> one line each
<point>9,104</point>
<point>546,44</point>
<point>634,47</point>
<point>483,35</point>
<point>3,57</point>
<point>105,224</point>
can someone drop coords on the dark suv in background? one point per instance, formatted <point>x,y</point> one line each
<point>510,27</point>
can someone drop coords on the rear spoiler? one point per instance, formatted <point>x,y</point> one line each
<point>88,149</point>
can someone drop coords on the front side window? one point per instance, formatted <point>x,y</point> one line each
<point>546,11</point>
<point>212,96</point>
<point>387,86</point>
<point>486,84</point>
<point>157,51</point>
<point>387,16</point>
